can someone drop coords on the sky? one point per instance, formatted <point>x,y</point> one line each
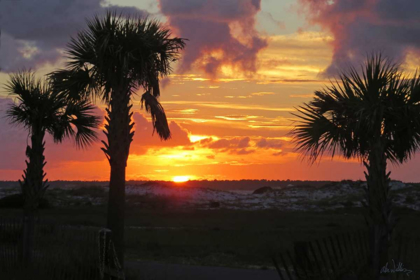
<point>247,66</point>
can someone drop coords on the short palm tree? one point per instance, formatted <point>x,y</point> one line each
<point>41,111</point>
<point>374,116</point>
<point>112,59</point>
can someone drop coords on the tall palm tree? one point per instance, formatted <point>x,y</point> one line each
<point>373,116</point>
<point>112,59</point>
<point>41,111</point>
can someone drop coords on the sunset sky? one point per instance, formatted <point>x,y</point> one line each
<point>247,65</point>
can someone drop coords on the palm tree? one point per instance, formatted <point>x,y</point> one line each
<point>112,59</point>
<point>373,116</point>
<point>41,111</point>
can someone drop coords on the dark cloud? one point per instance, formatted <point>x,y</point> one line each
<point>235,145</point>
<point>208,25</point>
<point>269,143</point>
<point>34,31</point>
<point>243,152</point>
<point>229,143</point>
<point>366,26</point>
<point>205,141</point>
<point>244,142</point>
<point>241,145</point>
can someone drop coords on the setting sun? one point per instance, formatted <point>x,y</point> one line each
<point>180,179</point>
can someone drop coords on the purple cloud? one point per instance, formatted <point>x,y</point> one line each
<point>35,32</point>
<point>365,26</point>
<point>210,26</point>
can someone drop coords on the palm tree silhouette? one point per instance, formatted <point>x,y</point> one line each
<point>373,116</point>
<point>41,111</point>
<point>112,59</point>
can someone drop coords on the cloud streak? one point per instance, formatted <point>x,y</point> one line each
<point>241,145</point>
<point>222,105</point>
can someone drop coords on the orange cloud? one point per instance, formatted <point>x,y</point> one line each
<point>144,137</point>
<point>262,93</point>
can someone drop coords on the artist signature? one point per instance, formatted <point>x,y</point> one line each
<point>398,268</point>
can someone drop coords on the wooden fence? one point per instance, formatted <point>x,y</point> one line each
<point>345,256</point>
<point>60,252</point>
<point>405,250</point>
<point>63,252</point>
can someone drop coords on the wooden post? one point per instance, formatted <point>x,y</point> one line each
<point>109,265</point>
<point>302,256</point>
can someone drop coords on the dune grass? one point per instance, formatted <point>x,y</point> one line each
<point>158,229</point>
<point>217,237</point>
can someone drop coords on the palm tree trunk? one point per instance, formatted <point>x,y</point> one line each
<point>33,188</point>
<point>379,216</point>
<point>119,136</point>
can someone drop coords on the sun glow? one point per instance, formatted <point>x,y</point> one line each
<point>196,138</point>
<point>180,179</point>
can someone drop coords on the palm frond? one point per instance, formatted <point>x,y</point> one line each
<point>415,88</point>
<point>76,122</point>
<point>77,83</point>
<point>40,108</point>
<point>315,134</point>
<point>30,93</point>
<point>352,115</point>
<point>117,52</point>
<point>160,124</point>
<point>18,114</point>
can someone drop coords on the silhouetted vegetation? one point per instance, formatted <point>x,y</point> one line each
<point>59,252</point>
<point>41,110</point>
<point>373,116</point>
<point>112,59</point>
